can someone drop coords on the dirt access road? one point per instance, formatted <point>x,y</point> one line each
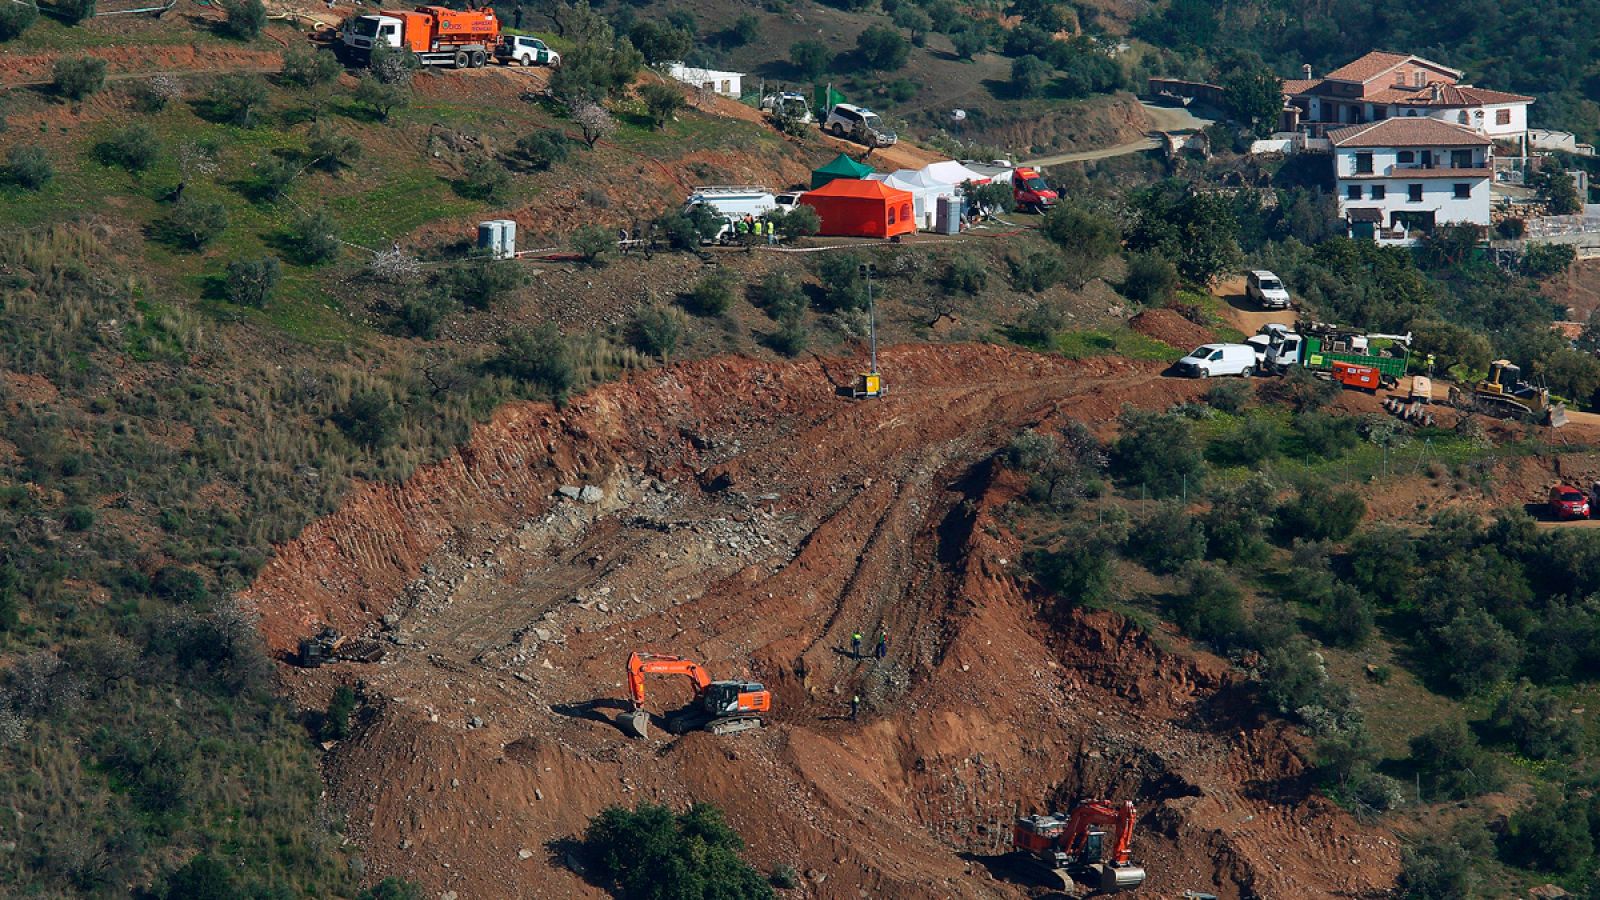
<point>1162,118</point>
<point>746,517</point>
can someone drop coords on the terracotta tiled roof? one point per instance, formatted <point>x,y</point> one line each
<point>1295,86</point>
<point>1408,132</point>
<point>1461,95</point>
<point>1378,62</point>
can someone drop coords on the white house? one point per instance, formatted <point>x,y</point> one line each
<point>1399,178</point>
<point>728,84</point>
<point>1384,85</point>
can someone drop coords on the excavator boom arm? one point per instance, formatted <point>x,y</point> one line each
<point>642,664</point>
<point>1118,816</point>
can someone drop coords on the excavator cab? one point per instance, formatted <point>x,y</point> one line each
<point>1088,850</point>
<point>724,698</point>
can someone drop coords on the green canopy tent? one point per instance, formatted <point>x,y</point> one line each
<point>842,167</point>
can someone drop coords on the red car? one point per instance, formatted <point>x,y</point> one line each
<point>1567,502</point>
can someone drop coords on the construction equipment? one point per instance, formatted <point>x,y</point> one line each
<point>1088,851</point>
<point>1504,395</point>
<point>720,707</point>
<point>1318,346</point>
<point>328,645</point>
<point>870,382</point>
<point>436,35</point>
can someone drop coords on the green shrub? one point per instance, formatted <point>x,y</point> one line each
<point>15,19</point>
<point>369,419</point>
<point>179,585</point>
<point>134,148</point>
<point>75,11</point>
<point>151,95</point>
<point>544,148</point>
<point>1077,571</point>
<point>1212,607</point>
<point>628,850</point>
<point>484,179</point>
<point>1300,390</point>
<point>330,149</point>
<point>78,518</point>
<point>1325,435</point>
<point>392,66</point>
<point>203,877</point>
<point>800,221</point>
<point>963,274</point>
<point>1230,396</point>
<point>420,312</point>
<point>336,721</point>
<point>1036,271</point>
<point>1158,452</point>
<point>194,223</point>
<point>1550,834</point>
<point>712,295</point>
<point>1320,513</point>
<point>1451,765</point>
<point>1253,442</point>
<point>791,337</point>
<point>785,877</point>
<point>1536,722</point>
<point>781,296</point>
<point>540,358</point>
<point>77,77</point>
<point>592,242</point>
<point>882,49</point>
<point>1167,539</point>
<point>237,99</point>
<point>842,284</point>
<point>245,18</point>
<point>1236,524</point>
<point>1437,869</point>
<point>661,103</point>
<point>481,283</point>
<point>1151,280</point>
<point>1346,617</point>
<point>313,237</point>
<point>392,888</point>
<point>1030,75</point>
<point>272,179</point>
<point>29,167</point>
<point>810,58</point>
<point>308,67</point>
<point>656,329</point>
<point>250,282</point>
<point>383,96</point>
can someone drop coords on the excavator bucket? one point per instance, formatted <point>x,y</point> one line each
<point>634,724</point>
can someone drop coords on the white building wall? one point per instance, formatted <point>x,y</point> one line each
<point>1438,194</point>
<point>728,84</point>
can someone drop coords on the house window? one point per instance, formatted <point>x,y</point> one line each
<point>1405,156</point>
<point>1422,79</point>
<point>1463,191</point>
<point>1363,163</point>
<point>1461,117</point>
<point>1378,191</point>
<point>1414,193</point>
<point>1502,117</point>
<point>1411,112</point>
<point>1353,192</point>
<point>1379,113</point>
<point>727,87</point>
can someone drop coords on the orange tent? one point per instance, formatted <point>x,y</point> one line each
<point>850,207</point>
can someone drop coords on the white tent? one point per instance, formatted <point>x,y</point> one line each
<point>952,172</point>
<point>925,191</point>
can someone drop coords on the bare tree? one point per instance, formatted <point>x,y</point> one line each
<point>395,266</point>
<point>592,119</point>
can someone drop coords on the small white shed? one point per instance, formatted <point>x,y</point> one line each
<point>728,84</point>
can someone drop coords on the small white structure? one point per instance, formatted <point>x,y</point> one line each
<point>728,84</point>
<point>1399,178</point>
<point>498,237</point>
<point>1545,139</point>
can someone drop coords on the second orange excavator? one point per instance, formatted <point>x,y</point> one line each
<point>1089,851</point>
<point>720,707</point>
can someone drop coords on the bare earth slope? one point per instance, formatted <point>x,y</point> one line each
<point>752,520</point>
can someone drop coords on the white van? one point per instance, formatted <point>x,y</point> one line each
<point>732,202</point>
<point>1218,359</point>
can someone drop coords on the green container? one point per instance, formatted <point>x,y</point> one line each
<point>1313,357</point>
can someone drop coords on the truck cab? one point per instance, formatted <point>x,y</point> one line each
<point>366,32</point>
<point>1031,191</point>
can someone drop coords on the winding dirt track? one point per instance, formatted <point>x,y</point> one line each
<point>752,520</point>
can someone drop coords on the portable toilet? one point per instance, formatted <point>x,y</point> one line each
<point>948,220</point>
<point>498,237</point>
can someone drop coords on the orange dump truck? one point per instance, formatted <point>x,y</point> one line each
<point>436,35</point>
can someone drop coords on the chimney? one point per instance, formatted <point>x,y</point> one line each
<point>1438,91</point>
<point>1306,70</point>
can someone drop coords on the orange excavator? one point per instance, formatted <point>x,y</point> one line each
<point>720,707</point>
<point>1089,851</point>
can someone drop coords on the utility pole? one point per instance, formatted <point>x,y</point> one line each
<point>870,383</point>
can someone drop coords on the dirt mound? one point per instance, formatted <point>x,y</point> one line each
<point>747,517</point>
<point>1170,328</point>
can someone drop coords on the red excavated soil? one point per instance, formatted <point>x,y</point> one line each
<point>1170,328</point>
<point>752,520</point>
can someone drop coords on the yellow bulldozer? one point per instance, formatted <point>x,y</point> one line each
<point>1504,395</point>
